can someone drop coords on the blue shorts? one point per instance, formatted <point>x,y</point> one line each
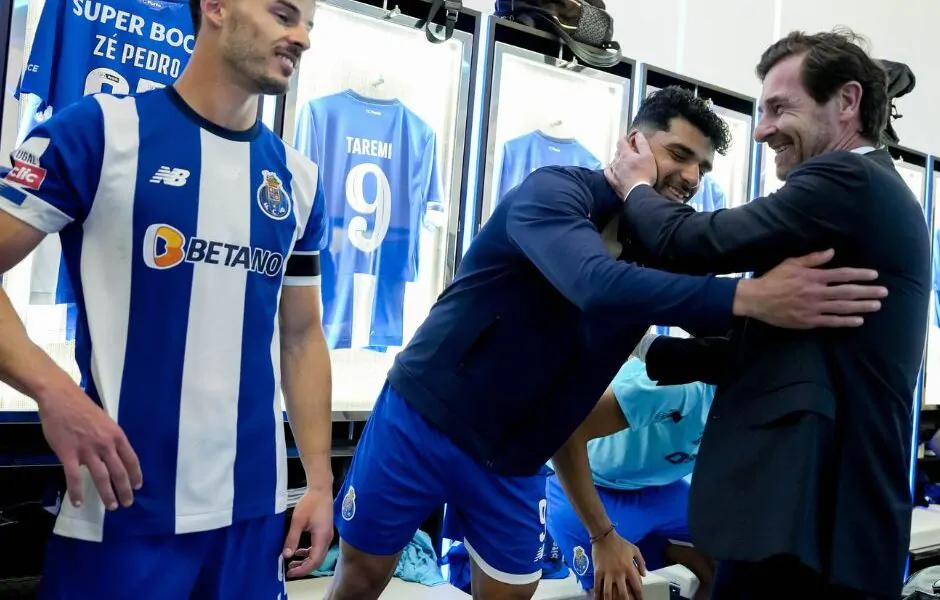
<point>404,468</point>
<point>651,518</point>
<point>243,560</point>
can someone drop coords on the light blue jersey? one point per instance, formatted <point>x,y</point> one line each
<point>666,425</point>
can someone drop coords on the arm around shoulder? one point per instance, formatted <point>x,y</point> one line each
<point>818,204</point>
<point>549,223</point>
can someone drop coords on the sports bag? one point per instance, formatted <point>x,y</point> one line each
<point>584,26</point>
<point>901,81</point>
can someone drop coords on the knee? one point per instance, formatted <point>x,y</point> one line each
<point>359,575</point>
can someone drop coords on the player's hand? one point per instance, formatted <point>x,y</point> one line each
<point>313,514</point>
<point>618,568</point>
<point>82,435</point>
<point>798,294</point>
<point>633,163</point>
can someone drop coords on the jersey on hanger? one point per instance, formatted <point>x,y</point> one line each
<point>88,46</point>
<point>380,176</point>
<point>177,235</point>
<point>536,149</point>
<point>709,197</point>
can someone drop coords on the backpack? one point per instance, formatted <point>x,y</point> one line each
<point>584,26</point>
<point>901,81</point>
<point>451,12</point>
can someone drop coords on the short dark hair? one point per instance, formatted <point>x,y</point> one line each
<point>662,106</point>
<point>833,59</point>
<point>196,13</point>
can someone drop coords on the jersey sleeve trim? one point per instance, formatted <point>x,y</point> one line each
<point>303,268</point>
<point>30,209</point>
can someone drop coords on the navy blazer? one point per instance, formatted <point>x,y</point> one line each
<point>807,450</point>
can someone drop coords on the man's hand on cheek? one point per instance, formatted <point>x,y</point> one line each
<point>632,164</point>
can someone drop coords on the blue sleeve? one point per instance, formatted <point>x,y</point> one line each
<point>549,223</point>
<point>643,402</point>
<point>303,265</point>
<point>434,194</point>
<point>56,169</point>
<point>43,64</point>
<point>305,133</point>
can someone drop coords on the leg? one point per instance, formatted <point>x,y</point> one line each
<point>621,505</point>
<point>503,521</point>
<point>245,561</point>
<point>144,568</point>
<point>669,508</point>
<point>393,484</point>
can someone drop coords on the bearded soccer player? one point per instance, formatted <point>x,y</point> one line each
<point>191,235</point>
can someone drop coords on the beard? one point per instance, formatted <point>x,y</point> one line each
<point>242,51</point>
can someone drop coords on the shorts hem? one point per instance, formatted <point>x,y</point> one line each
<point>498,575</point>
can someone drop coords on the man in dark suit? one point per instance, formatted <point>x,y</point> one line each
<point>801,483</point>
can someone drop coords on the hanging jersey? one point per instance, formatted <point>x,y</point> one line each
<point>661,443</point>
<point>177,236</point>
<point>936,278</point>
<point>528,152</point>
<point>709,196</point>
<point>380,180</point>
<point>88,46</point>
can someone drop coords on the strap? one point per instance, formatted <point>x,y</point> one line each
<point>451,12</point>
<point>586,53</point>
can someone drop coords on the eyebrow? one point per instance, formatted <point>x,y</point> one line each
<point>296,11</point>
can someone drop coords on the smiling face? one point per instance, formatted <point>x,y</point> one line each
<point>262,40</point>
<point>683,155</point>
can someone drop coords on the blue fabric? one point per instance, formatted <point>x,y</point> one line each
<point>240,561</point>
<point>418,562</point>
<point>661,443</point>
<point>709,197</point>
<point>537,149</point>
<point>329,563</point>
<point>404,468</point>
<point>381,177</point>
<point>648,518</point>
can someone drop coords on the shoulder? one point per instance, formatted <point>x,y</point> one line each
<point>304,172</point>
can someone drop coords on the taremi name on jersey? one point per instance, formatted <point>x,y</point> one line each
<point>177,236</point>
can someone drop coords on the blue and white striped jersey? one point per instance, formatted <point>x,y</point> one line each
<point>177,236</point>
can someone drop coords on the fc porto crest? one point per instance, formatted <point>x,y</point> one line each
<point>272,198</point>
<point>581,561</point>
<point>349,504</point>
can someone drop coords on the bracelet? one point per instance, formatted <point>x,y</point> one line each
<point>601,536</point>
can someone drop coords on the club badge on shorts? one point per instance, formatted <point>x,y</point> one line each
<point>349,504</point>
<point>272,198</point>
<point>581,561</point>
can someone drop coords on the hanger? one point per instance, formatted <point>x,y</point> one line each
<point>556,124</point>
<point>378,82</point>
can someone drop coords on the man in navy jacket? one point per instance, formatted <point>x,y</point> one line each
<point>520,345</point>
<point>801,486</point>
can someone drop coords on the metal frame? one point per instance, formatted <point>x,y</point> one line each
<point>6,22</point>
<point>533,44</point>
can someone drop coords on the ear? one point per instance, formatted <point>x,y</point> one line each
<point>850,100</point>
<point>631,138</point>
<point>212,12</point>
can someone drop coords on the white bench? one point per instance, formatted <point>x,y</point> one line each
<point>314,589</point>
<point>925,529</point>
<point>654,588</point>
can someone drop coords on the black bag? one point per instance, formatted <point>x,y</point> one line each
<point>584,26</point>
<point>451,12</point>
<point>901,81</point>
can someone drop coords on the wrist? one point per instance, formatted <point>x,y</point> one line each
<point>746,298</point>
<point>318,471</point>
<point>603,533</point>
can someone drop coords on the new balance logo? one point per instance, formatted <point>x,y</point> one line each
<point>168,176</point>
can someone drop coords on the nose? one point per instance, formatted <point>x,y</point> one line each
<point>300,37</point>
<point>763,130</point>
<point>691,174</point>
